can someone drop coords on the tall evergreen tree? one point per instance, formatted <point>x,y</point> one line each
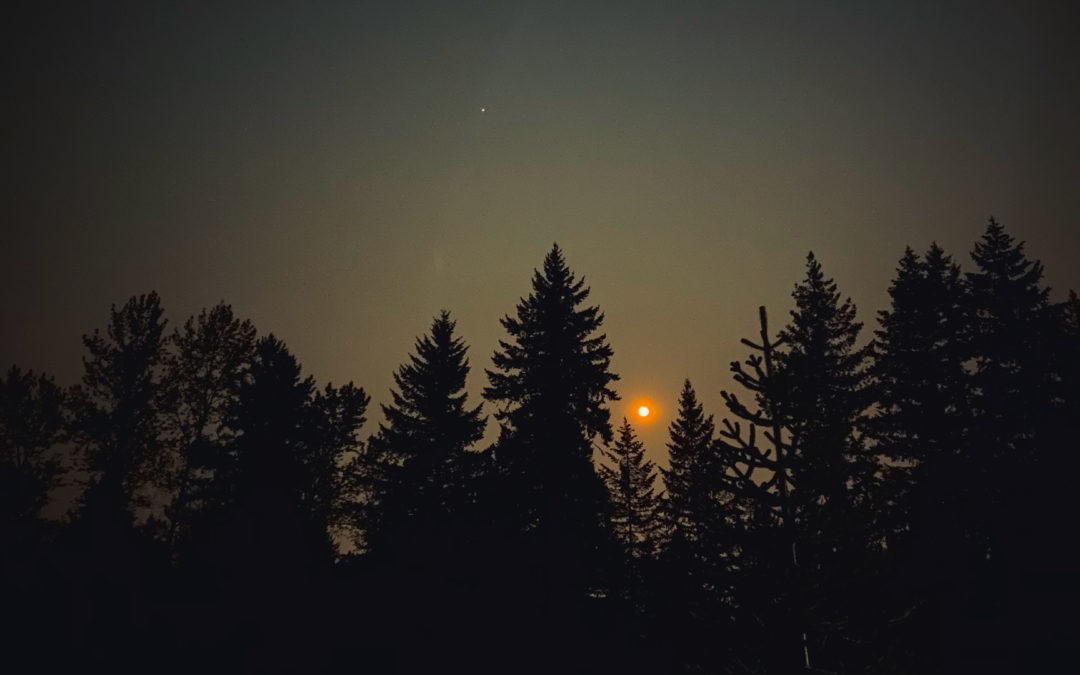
<point>418,457</point>
<point>824,397</point>
<point>630,480</point>
<point>811,397</point>
<point>822,374</point>
<point>1016,422</point>
<point>687,478</point>
<point>551,383</point>
<point>761,471</point>
<point>1009,342</point>
<point>922,390</point>
<point>919,431</point>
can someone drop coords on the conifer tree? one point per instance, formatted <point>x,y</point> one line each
<point>824,398</point>
<point>821,372</point>
<point>418,457</point>
<point>630,480</point>
<point>550,384</point>
<point>1009,339</point>
<point>687,478</point>
<point>263,522</point>
<point>760,469</point>
<point>1019,428</point>
<point>922,390</point>
<point>817,478</point>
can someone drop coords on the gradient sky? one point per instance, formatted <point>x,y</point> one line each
<point>328,170</point>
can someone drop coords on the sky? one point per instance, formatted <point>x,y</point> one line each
<point>340,172</point>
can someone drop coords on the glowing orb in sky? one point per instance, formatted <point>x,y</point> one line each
<point>643,411</point>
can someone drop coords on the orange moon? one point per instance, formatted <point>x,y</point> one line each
<point>642,409</point>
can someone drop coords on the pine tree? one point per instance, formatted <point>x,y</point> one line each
<point>687,478</point>
<point>630,479</point>
<point>919,431</point>
<point>816,477</point>
<point>1018,429</point>
<point>418,457</point>
<point>550,385</point>
<point>1009,342</point>
<point>822,375</point>
<point>824,397</point>
<point>922,391</point>
<point>761,472</point>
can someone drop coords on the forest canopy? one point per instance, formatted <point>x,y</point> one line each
<point>877,494</point>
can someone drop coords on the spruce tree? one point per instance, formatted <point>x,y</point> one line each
<point>824,397</point>
<point>822,375</point>
<point>1019,428</point>
<point>687,478</point>
<point>630,480</point>
<point>550,384</point>
<point>816,477</point>
<point>418,457</point>
<point>922,390</point>
<point>1009,340</point>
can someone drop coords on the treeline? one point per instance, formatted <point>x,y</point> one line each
<point>893,504</point>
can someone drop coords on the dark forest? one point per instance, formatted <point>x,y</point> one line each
<point>893,498</point>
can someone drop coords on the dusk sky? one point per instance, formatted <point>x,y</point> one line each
<point>341,171</point>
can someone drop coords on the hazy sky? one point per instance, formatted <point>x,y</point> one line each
<point>326,167</point>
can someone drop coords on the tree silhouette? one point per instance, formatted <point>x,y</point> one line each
<point>922,389</point>
<point>919,430</point>
<point>687,478</point>
<point>418,456</point>
<point>816,476</point>
<point>270,476</point>
<point>31,426</point>
<point>630,479</point>
<point>763,478</point>
<point>335,498</point>
<point>1016,406</point>
<point>204,367</point>
<point>118,409</point>
<point>822,376</point>
<point>550,384</point>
